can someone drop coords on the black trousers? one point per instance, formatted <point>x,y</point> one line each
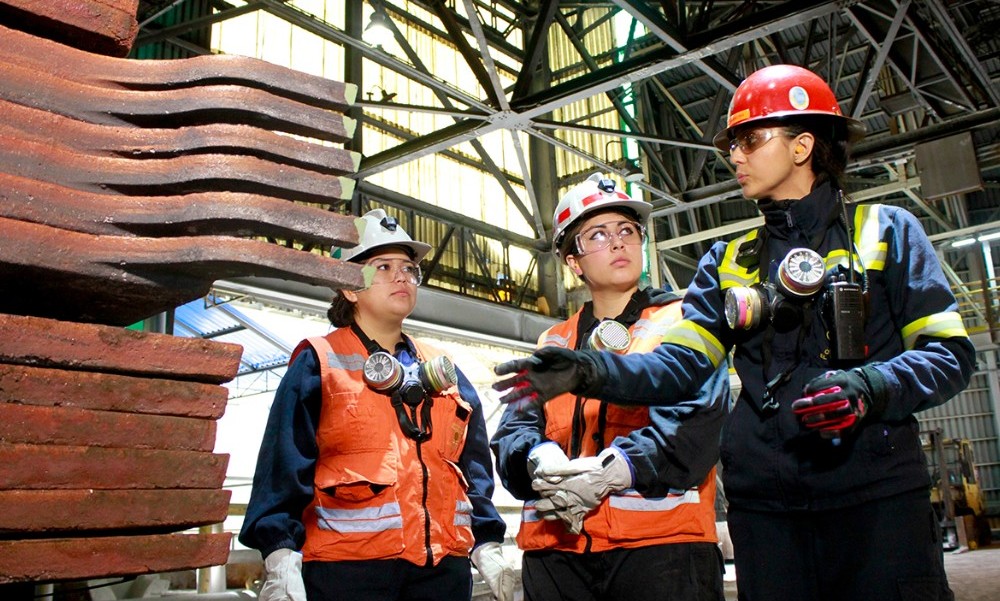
<point>678,572</point>
<point>884,550</point>
<point>388,580</point>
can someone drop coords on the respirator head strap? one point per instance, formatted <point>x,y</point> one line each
<point>412,426</point>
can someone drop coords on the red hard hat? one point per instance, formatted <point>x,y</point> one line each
<point>781,91</point>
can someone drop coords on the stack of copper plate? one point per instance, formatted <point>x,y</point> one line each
<point>127,188</point>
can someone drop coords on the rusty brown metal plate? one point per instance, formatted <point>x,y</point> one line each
<point>44,342</point>
<point>102,26</point>
<point>89,139</point>
<point>171,108</point>
<point>44,467</point>
<point>63,512</point>
<point>68,426</point>
<point>48,560</point>
<point>66,275</point>
<point>35,53</point>
<point>71,388</point>
<point>196,214</point>
<point>51,162</point>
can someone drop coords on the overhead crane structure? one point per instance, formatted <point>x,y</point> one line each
<point>555,80</point>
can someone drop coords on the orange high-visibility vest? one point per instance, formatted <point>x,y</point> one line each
<point>379,494</point>
<point>626,519</point>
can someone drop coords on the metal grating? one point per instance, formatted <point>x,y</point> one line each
<point>971,415</point>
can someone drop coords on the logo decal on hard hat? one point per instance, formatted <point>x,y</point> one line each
<point>798,98</point>
<point>739,117</point>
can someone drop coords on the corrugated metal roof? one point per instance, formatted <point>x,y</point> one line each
<point>262,350</point>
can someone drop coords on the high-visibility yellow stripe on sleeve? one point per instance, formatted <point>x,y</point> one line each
<point>940,325</point>
<point>866,237</point>
<point>690,335</point>
<point>730,272</point>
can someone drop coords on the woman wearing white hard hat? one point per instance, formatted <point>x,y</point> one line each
<point>374,481</point>
<point>619,501</point>
<point>841,326</point>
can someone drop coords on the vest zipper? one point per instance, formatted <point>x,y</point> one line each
<point>423,505</point>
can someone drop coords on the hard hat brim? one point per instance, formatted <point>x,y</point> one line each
<point>419,250</point>
<point>856,130</point>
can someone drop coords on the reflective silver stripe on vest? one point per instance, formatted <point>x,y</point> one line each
<point>648,328</point>
<point>370,519</point>
<point>630,500</point>
<point>528,512</point>
<point>555,340</point>
<point>354,362</point>
<point>463,513</point>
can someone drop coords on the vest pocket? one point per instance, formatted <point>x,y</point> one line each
<point>538,533</point>
<point>634,517</point>
<point>459,528</point>
<point>356,423</point>
<point>356,511</point>
<point>454,420</point>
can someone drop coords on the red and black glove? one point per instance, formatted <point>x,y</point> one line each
<point>549,372</point>
<point>838,401</point>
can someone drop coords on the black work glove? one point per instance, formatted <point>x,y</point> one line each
<point>838,401</point>
<point>549,372</point>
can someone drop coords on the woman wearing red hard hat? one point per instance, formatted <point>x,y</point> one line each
<point>841,326</point>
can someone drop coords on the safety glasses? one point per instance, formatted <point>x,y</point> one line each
<point>392,270</point>
<point>601,236</point>
<point>750,140</point>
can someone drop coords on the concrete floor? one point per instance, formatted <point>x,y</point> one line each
<point>972,575</point>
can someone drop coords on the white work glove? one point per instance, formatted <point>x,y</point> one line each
<point>283,577</point>
<point>547,455</point>
<point>495,570</point>
<point>589,479</point>
<point>562,505</point>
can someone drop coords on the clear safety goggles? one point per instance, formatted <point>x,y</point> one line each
<point>388,271</point>
<point>601,236</point>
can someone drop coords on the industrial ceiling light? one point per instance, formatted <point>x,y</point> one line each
<point>386,96</point>
<point>633,174</point>
<point>377,32</point>
<point>626,167</point>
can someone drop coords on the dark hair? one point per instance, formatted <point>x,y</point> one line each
<point>567,246</point>
<point>830,152</point>
<point>341,311</point>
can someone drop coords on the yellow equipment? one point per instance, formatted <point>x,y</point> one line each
<point>955,491</point>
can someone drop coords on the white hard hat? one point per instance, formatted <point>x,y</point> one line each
<point>588,196</point>
<point>375,230</point>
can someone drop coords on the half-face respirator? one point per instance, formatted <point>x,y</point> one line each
<point>385,374</point>
<point>609,335</point>
<point>410,385</point>
<point>800,276</point>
